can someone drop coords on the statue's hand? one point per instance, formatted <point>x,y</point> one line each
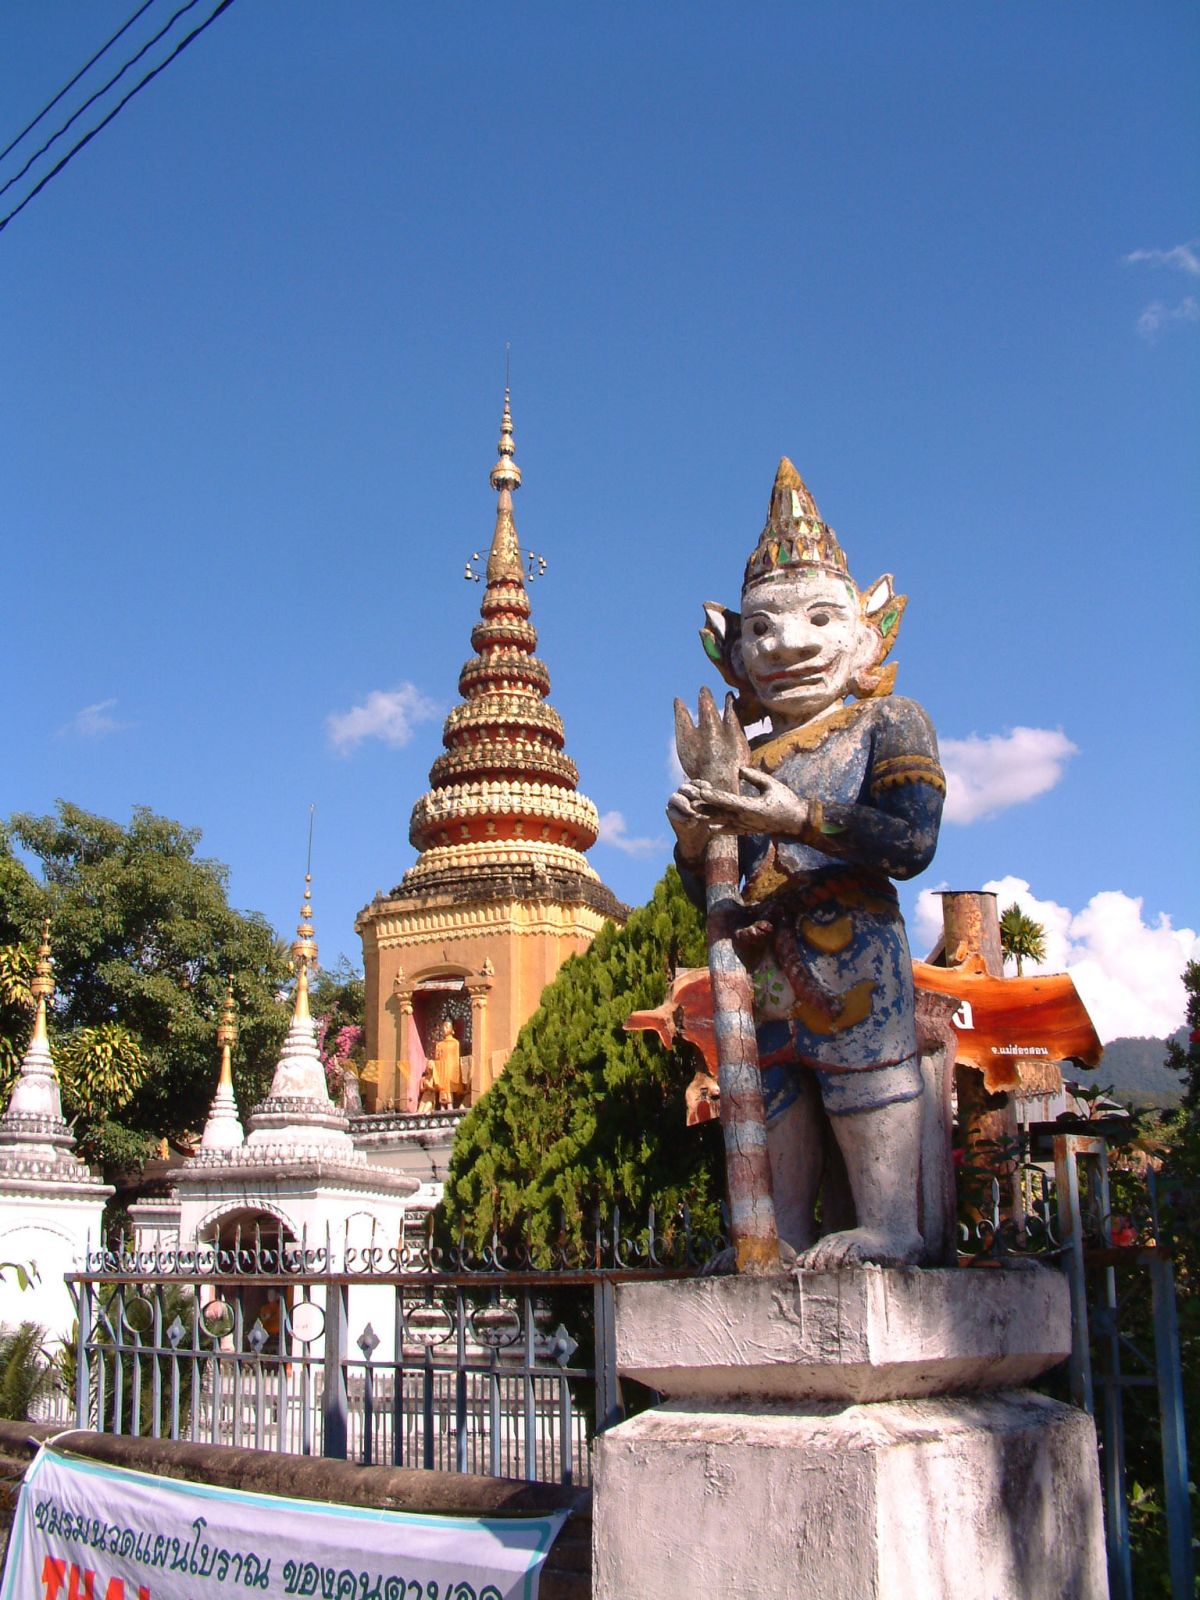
<point>691,828</point>
<point>772,808</point>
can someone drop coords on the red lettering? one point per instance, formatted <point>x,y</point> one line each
<point>80,1583</point>
<point>54,1575</point>
<point>74,1592</point>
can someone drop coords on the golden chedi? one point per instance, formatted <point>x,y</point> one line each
<point>501,892</point>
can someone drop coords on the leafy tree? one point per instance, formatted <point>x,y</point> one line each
<point>1185,1058</point>
<point>338,999</point>
<point>1021,937</point>
<point>16,1007</point>
<point>1177,1158</point>
<point>144,942</point>
<point>586,1115</point>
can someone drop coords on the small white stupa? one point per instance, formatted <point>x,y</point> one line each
<point>298,1168</point>
<point>51,1204</point>
<point>223,1130</point>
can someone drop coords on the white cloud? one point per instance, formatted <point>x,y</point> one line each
<point>986,774</point>
<point>93,722</point>
<point>613,832</point>
<point>1158,314</point>
<point>386,714</point>
<point>1182,257</point>
<point>1129,973</point>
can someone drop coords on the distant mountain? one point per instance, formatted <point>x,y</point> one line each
<point>1135,1069</point>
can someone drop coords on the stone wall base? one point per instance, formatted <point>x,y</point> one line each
<point>985,1497</point>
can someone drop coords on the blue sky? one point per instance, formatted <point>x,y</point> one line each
<point>251,362</point>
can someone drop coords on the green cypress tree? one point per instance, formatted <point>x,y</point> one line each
<point>585,1115</point>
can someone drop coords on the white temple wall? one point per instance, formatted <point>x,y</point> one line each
<point>53,1237</point>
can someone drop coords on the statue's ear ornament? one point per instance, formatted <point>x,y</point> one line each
<point>721,637</point>
<point>882,609</point>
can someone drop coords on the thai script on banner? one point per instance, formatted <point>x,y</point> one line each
<point>85,1531</point>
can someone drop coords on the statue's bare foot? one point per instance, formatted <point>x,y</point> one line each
<point>861,1247</point>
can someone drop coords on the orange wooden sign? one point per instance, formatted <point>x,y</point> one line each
<point>1001,1020</point>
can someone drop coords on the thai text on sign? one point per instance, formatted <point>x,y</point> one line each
<point>87,1531</point>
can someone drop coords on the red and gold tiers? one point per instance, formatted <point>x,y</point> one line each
<point>503,798</point>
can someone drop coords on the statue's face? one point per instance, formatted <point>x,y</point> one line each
<point>802,640</point>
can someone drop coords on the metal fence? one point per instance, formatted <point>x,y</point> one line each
<point>409,1356</point>
<point>1055,1202</point>
<point>1126,1344</point>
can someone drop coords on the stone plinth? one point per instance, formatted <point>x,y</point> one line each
<point>985,1498</point>
<point>864,1334</point>
<point>848,1435</point>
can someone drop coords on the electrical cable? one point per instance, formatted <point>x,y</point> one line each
<point>88,137</point>
<point>91,100</point>
<point>50,104</point>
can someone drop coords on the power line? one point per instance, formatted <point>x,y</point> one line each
<point>91,100</point>
<point>88,137</point>
<point>50,104</point>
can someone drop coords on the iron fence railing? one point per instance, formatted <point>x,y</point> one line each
<point>492,1361</point>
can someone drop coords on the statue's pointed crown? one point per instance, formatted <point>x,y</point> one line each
<point>795,537</point>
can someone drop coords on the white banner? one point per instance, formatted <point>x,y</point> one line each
<point>85,1531</point>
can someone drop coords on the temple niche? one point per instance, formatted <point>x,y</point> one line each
<point>501,892</point>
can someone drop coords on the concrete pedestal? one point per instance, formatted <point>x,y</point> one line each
<point>805,1478</point>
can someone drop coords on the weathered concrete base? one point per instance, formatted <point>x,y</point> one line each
<point>989,1497</point>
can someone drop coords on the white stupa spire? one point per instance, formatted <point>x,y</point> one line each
<point>298,1110</point>
<point>36,1141</point>
<point>223,1129</point>
<point>34,1118</point>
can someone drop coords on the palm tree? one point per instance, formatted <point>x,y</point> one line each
<point>26,1373</point>
<point>1021,937</point>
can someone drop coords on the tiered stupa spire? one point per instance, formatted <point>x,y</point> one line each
<point>36,1142</point>
<point>503,798</point>
<point>34,1117</point>
<point>298,1111</point>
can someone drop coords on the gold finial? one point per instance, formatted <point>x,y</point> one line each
<point>226,1038</point>
<point>506,474</point>
<point>42,986</point>
<point>304,953</point>
<point>504,557</point>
